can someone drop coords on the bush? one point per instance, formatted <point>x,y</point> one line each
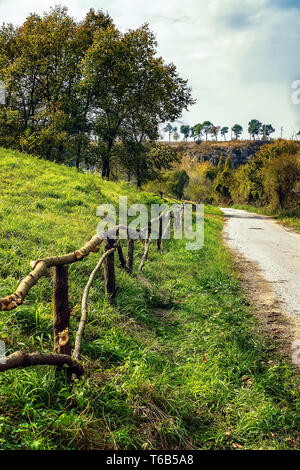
<point>281,177</point>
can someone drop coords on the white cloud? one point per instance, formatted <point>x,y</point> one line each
<point>240,58</point>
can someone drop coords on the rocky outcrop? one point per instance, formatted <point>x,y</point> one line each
<point>240,152</point>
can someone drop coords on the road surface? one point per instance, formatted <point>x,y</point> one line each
<point>275,250</point>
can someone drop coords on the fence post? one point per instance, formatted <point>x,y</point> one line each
<point>121,256</point>
<point>109,270</point>
<point>129,258</point>
<point>61,311</point>
<point>159,239</point>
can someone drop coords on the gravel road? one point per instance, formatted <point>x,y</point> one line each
<point>275,249</point>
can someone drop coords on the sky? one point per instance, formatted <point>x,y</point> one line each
<point>240,58</point>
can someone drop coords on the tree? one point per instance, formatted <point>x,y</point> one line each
<point>254,128</point>
<point>175,135</point>
<point>130,85</point>
<point>266,130</point>
<point>185,130</point>
<point>237,129</point>
<point>146,160</point>
<point>40,64</point>
<point>214,131</point>
<point>169,129</point>
<point>223,181</point>
<point>206,128</point>
<point>198,131</point>
<point>74,87</point>
<point>280,177</point>
<point>224,131</point>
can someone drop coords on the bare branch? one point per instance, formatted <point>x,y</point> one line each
<point>22,359</point>
<point>84,305</point>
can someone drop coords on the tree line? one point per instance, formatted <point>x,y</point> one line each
<point>271,178</point>
<point>83,91</point>
<point>200,131</point>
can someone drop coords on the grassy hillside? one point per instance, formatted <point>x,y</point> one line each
<point>186,371</point>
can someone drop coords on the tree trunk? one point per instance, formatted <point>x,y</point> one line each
<point>61,311</point>
<point>159,239</point>
<point>121,257</point>
<point>129,258</point>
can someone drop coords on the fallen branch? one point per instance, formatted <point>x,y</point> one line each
<point>23,359</point>
<point>84,305</point>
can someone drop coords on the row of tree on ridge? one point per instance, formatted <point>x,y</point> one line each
<point>200,131</point>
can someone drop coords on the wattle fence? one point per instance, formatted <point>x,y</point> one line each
<point>62,348</point>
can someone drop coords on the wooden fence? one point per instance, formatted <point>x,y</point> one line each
<point>62,353</point>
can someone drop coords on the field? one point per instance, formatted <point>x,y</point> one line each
<point>180,366</point>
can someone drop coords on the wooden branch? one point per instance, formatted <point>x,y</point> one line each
<point>129,258</point>
<point>22,359</point>
<point>84,305</point>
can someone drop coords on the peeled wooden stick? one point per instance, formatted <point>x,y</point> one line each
<point>129,257</point>
<point>84,305</point>
<point>22,359</point>
<point>146,251</point>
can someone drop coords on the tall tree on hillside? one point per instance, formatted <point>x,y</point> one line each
<point>237,129</point>
<point>224,131</point>
<point>169,129</point>
<point>125,75</point>
<point>207,125</point>
<point>185,130</point>
<point>254,128</point>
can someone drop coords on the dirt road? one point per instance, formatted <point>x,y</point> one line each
<point>274,249</point>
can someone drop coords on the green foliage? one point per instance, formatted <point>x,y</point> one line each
<point>237,129</point>
<point>145,162</point>
<point>270,178</point>
<point>207,125</point>
<point>254,128</point>
<point>222,182</point>
<point>224,131</point>
<point>185,131</point>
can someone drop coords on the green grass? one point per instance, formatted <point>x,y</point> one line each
<point>284,217</point>
<point>183,370</point>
